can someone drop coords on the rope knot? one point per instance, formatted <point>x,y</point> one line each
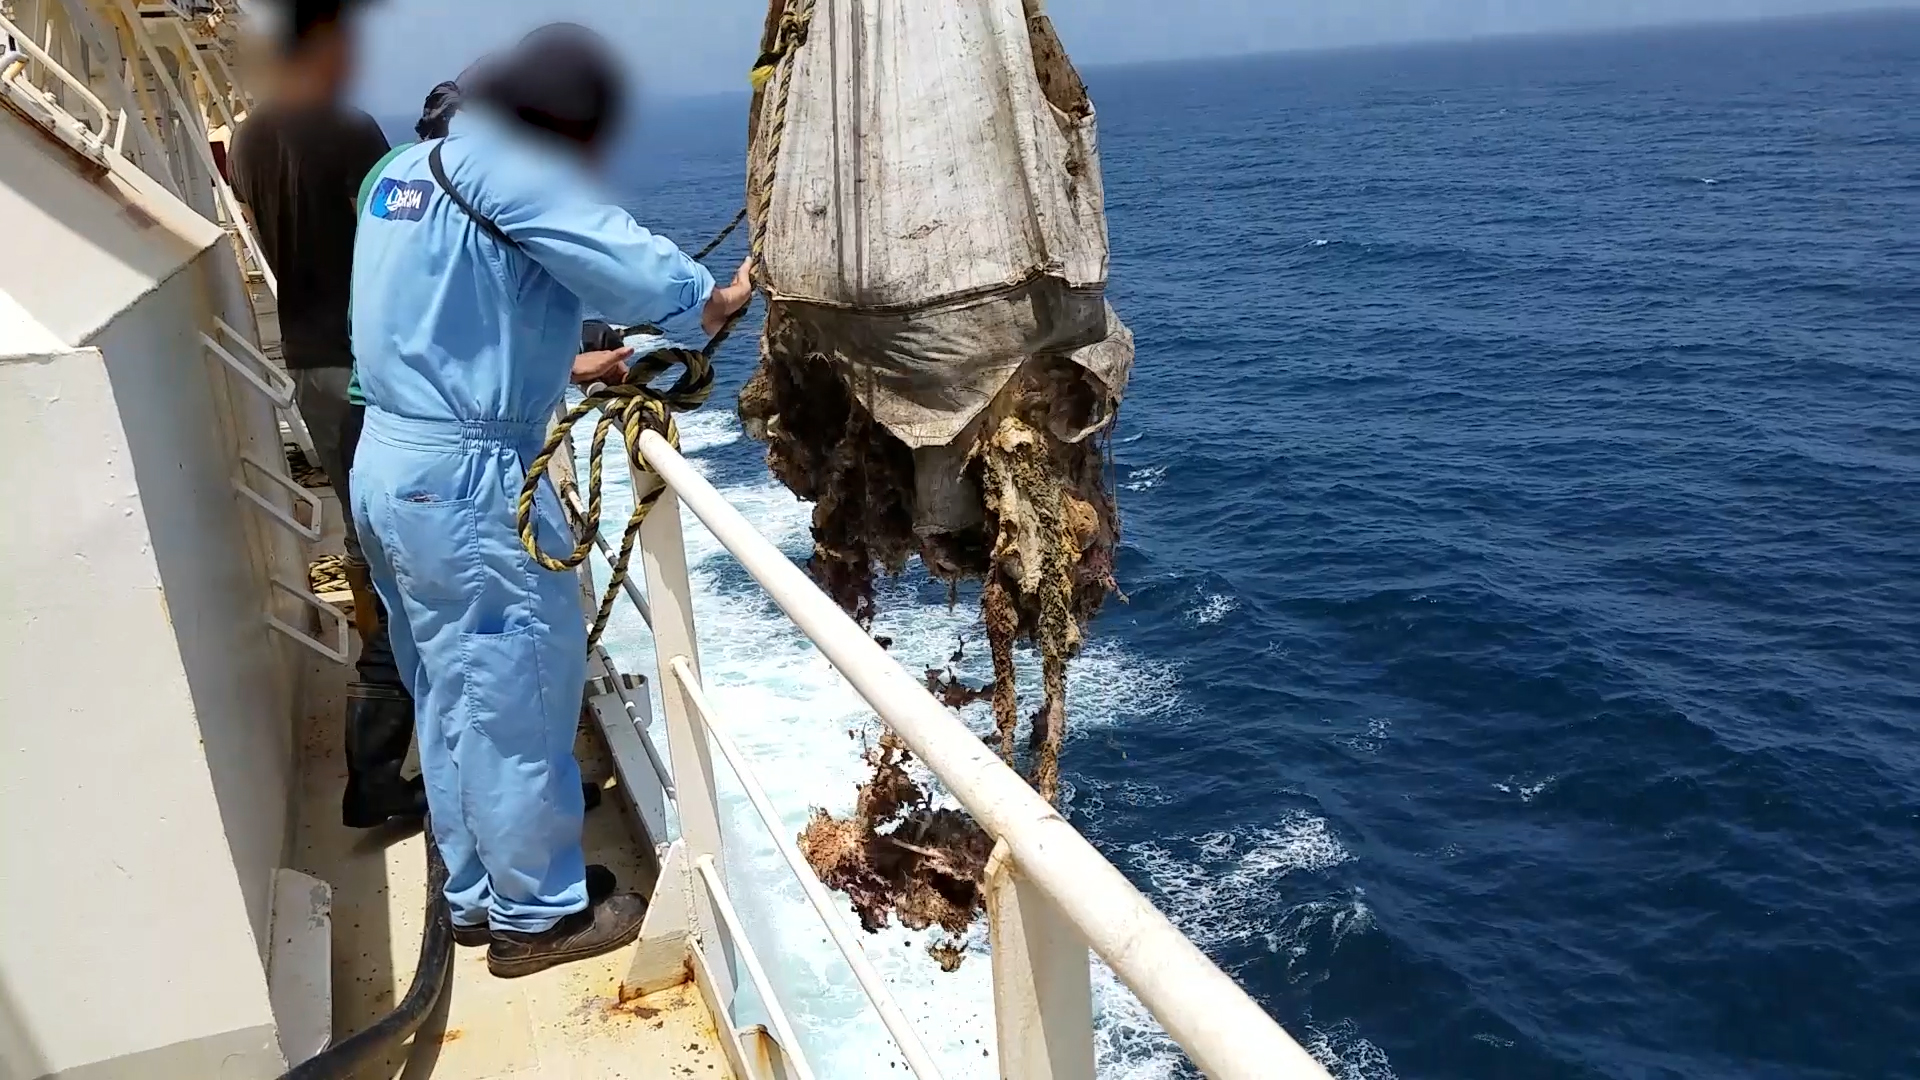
<point>690,391</point>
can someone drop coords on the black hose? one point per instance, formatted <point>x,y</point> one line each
<point>348,1057</point>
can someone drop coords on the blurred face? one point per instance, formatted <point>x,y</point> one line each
<point>561,80</point>
<point>328,54</point>
<point>318,69</point>
<point>598,152</point>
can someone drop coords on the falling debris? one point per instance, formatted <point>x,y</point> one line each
<point>898,855</point>
<point>945,684</point>
<point>939,376</point>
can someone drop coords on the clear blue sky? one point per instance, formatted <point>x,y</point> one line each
<point>704,46</point>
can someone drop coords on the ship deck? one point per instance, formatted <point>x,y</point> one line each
<point>570,1022</point>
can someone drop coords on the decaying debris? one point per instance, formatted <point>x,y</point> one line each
<point>1044,549</point>
<point>945,683</point>
<point>939,372</point>
<point>1020,503</point>
<point>897,855</point>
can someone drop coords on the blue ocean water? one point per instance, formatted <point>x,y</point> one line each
<point>1521,482</point>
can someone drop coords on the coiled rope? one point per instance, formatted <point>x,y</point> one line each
<point>634,406</point>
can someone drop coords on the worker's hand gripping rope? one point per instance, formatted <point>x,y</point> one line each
<point>633,406</point>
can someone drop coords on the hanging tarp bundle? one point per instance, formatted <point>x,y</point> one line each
<point>940,368</point>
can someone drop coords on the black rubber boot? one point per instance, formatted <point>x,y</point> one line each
<point>379,721</point>
<point>600,884</point>
<point>379,726</point>
<point>612,924</point>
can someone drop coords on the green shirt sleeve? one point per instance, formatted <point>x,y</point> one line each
<point>354,394</point>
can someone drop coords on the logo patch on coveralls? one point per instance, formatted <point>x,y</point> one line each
<point>401,200</point>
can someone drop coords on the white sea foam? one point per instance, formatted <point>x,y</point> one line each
<point>1218,895</point>
<point>1128,1043</point>
<point>1098,795</point>
<point>1211,609</point>
<point>1527,792</point>
<point>703,431</point>
<point>1326,921</point>
<point>1145,478</point>
<point>1346,1055</point>
<point>791,714</point>
<point>1495,1041</point>
<point>1221,894</point>
<point>1376,737</point>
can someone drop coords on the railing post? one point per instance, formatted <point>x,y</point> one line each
<point>663,554</point>
<point>1042,982</point>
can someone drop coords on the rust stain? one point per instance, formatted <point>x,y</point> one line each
<point>624,1007</point>
<point>451,1035</point>
<point>90,170</point>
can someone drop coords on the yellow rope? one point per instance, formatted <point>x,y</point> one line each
<point>634,406</point>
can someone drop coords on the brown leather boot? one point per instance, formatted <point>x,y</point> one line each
<point>366,606</point>
<point>612,924</point>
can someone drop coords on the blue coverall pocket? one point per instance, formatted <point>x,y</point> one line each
<point>434,545</point>
<point>504,697</point>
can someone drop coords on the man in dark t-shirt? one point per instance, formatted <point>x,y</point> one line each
<point>298,168</point>
<point>297,163</point>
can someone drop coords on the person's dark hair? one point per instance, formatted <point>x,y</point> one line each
<point>437,114</point>
<point>444,100</point>
<point>563,79</point>
<point>300,23</point>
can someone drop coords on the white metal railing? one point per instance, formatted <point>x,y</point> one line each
<point>844,936</point>
<point>782,1029</point>
<point>1051,896</point>
<point>44,106</point>
<point>226,204</point>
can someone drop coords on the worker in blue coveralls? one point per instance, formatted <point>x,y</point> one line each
<point>475,258</point>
